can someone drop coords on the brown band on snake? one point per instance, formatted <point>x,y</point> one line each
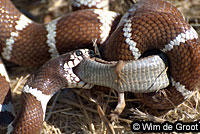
<point>28,43</point>
<point>89,4</point>
<point>30,118</point>
<point>42,85</point>
<point>148,28</point>
<point>144,6</point>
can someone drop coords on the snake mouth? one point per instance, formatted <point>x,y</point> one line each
<point>73,81</point>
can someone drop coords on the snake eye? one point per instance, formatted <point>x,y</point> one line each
<point>79,53</point>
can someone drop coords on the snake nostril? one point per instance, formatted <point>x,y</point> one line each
<point>91,53</point>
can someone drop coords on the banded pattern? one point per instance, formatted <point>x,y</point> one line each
<point>20,25</point>
<point>150,24</point>
<point>28,43</point>
<point>42,85</point>
<point>159,26</point>
<point>145,6</point>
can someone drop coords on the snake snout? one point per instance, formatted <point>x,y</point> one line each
<point>73,81</point>
<point>91,53</point>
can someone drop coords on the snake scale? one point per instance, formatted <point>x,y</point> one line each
<point>148,25</point>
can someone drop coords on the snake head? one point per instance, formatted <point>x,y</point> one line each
<point>73,81</point>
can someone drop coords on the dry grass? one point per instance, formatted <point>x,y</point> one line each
<point>71,111</point>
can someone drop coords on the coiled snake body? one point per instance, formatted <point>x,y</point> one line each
<point>28,43</point>
<point>42,85</point>
<point>157,25</point>
<point>149,25</point>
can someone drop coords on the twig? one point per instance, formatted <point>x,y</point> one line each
<point>52,106</point>
<point>105,120</point>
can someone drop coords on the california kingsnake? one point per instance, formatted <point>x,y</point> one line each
<point>42,85</point>
<point>173,34</point>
